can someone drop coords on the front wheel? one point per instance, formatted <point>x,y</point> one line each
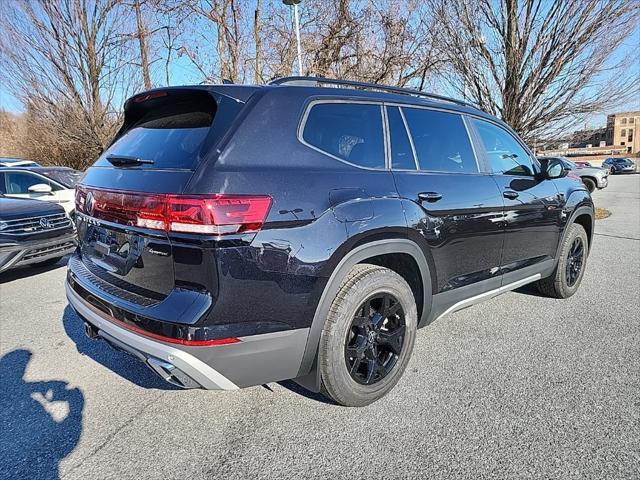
<point>368,337</point>
<point>590,184</point>
<point>570,269</point>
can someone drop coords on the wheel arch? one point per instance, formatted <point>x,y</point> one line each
<point>376,252</point>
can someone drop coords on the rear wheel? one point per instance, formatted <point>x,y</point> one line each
<point>570,269</point>
<point>590,184</point>
<point>368,337</point>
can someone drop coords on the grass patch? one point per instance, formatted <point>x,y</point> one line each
<point>602,213</point>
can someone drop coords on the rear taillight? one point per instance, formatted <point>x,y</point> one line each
<point>216,214</point>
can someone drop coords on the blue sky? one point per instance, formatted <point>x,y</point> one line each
<point>184,72</point>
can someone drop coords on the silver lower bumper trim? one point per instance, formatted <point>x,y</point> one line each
<point>159,356</point>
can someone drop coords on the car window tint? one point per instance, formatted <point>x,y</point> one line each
<point>401,152</point>
<point>440,140</point>
<point>348,131</point>
<point>506,155</point>
<point>19,182</point>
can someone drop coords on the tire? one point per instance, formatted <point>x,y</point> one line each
<point>612,171</point>
<point>348,379</point>
<point>560,284</point>
<point>590,184</point>
<point>46,263</point>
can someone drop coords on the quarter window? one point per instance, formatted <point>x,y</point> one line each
<point>440,140</point>
<point>506,155</point>
<point>401,151</point>
<point>348,131</point>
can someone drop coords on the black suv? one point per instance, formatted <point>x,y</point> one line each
<point>236,235</point>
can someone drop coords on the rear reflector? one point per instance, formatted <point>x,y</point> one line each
<point>216,214</point>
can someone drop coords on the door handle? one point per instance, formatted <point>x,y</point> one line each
<point>429,196</point>
<point>510,194</point>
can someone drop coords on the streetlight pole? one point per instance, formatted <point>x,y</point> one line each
<point>297,20</point>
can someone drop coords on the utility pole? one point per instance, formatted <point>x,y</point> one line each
<point>297,21</point>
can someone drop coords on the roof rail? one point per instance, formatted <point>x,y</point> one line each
<point>318,81</point>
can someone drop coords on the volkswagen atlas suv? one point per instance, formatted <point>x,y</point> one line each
<point>237,235</point>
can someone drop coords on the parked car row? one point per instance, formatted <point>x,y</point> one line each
<point>33,232</point>
<point>592,177</point>
<point>37,209</point>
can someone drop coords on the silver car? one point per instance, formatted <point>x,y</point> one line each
<point>592,177</point>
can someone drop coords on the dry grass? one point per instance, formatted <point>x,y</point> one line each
<point>602,213</point>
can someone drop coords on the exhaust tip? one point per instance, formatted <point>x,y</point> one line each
<point>172,374</point>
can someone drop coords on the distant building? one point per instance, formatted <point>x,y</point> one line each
<point>623,129</point>
<point>592,136</point>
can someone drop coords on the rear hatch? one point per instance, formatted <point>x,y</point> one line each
<point>122,200</point>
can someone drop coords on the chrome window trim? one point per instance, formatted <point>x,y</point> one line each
<point>305,116</point>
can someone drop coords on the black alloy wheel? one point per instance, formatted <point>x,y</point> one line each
<point>575,260</point>
<point>375,339</point>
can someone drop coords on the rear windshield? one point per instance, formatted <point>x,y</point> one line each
<point>173,132</point>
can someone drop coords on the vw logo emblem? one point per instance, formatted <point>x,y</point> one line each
<point>90,203</point>
<point>45,223</point>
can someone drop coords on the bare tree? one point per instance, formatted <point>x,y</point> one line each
<point>66,62</point>
<point>141,34</point>
<point>539,65</point>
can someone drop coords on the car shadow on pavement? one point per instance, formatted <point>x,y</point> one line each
<point>118,362</point>
<point>41,421</point>
<point>531,290</point>
<point>30,270</point>
<point>295,388</point>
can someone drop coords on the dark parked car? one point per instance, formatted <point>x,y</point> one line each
<point>619,165</point>
<point>33,233</point>
<point>236,235</point>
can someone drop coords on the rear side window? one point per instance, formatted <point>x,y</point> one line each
<point>441,141</point>
<point>348,131</point>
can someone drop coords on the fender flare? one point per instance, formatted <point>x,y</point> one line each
<point>584,209</point>
<point>308,374</point>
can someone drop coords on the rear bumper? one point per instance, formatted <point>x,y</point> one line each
<point>255,360</point>
<point>18,254</point>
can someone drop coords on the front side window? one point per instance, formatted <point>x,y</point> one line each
<point>506,155</point>
<point>348,131</point>
<point>401,151</point>
<point>19,182</point>
<point>441,141</point>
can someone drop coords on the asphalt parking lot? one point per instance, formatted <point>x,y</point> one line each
<point>521,386</point>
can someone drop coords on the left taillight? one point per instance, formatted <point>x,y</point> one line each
<point>216,214</point>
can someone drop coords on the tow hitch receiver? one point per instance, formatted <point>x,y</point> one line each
<point>90,331</point>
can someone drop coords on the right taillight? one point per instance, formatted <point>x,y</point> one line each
<point>216,214</point>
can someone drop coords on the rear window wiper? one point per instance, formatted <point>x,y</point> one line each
<point>122,160</point>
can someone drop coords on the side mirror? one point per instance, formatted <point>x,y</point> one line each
<point>40,188</point>
<point>553,168</point>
